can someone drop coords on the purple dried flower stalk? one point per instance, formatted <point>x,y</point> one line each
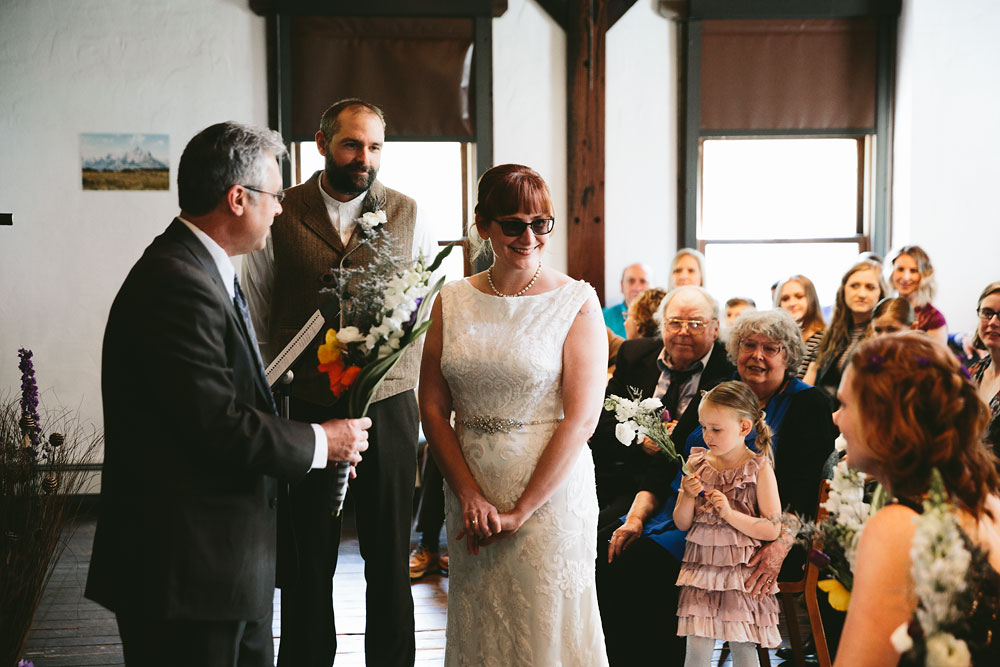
<point>29,394</point>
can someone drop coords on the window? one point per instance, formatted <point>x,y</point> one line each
<point>772,207</point>
<point>435,173</point>
<point>787,140</point>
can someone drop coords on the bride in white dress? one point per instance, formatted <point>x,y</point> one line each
<point>519,354</point>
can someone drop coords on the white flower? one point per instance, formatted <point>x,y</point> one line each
<point>650,404</point>
<point>900,638</point>
<point>371,220</point>
<point>840,444</point>
<point>349,335</point>
<point>625,432</point>
<point>944,650</point>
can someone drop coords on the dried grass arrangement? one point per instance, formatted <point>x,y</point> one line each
<point>40,483</point>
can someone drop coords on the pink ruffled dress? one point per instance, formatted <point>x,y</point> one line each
<point>713,599</point>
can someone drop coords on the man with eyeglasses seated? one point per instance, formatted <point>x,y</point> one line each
<point>686,360</point>
<point>641,556</point>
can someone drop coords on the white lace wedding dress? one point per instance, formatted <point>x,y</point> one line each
<point>528,599</point>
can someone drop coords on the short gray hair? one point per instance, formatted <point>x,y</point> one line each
<point>710,301</point>
<point>221,156</point>
<point>778,325</point>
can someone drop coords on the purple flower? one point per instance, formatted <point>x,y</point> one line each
<point>25,663</point>
<point>875,362</point>
<point>413,316</point>
<point>29,394</point>
<point>818,558</point>
<point>965,372</point>
<point>665,416</point>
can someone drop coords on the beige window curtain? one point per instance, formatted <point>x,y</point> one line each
<point>813,74</point>
<point>417,70</point>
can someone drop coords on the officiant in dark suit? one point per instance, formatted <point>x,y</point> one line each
<point>317,233</point>
<point>676,367</point>
<point>184,551</point>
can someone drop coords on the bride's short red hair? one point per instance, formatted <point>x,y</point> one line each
<point>507,189</point>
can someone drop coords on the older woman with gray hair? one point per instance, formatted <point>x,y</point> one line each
<point>645,551</point>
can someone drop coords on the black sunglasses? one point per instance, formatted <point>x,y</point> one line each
<point>515,228</point>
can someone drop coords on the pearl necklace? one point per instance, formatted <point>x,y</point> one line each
<point>489,278</point>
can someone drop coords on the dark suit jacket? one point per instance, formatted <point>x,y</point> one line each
<point>636,367</point>
<point>187,522</point>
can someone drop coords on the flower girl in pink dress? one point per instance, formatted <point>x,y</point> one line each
<point>729,505</point>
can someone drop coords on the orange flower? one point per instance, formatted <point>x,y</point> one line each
<point>331,363</point>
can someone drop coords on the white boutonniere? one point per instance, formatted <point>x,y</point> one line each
<point>371,220</point>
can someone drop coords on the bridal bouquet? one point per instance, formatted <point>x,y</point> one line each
<point>640,418</point>
<point>958,598</point>
<point>840,532</point>
<point>385,309</point>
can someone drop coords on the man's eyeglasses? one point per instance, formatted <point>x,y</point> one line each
<point>515,228</point>
<point>769,350</point>
<point>280,196</point>
<point>986,314</point>
<point>675,324</point>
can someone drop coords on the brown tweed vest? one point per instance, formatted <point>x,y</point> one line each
<point>306,248</point>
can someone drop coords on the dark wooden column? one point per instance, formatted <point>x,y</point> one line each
<point>587,24</point>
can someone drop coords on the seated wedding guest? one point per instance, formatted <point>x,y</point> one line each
<point>860,289</point>
<point>912,277</point>
<point>641,319</point>
<point>675,367</point>
<point>736,306</point>
<point>892,315</point>
<point>687,268</point>
<point>907,409</point>
<point>643,552</point>
<point>797,295</point>
<point>427,557</point>
<point>986,373</point>
<point>614,342</point>
<point>635,279</point>
<point>640,322</point>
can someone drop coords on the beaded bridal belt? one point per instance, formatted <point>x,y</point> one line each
<point>491,424</point>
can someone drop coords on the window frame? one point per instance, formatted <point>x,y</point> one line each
<point>864,206</point>
<point>875,233</point>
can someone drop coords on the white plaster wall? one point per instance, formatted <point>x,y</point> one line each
<point>947,146</point>
<point>641,146</point>
<point>529,104</point>
<point>100,66</point>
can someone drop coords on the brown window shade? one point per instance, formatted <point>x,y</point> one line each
<point>788,74</point>
<point>417,70</point>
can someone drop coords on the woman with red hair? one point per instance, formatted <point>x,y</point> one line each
<point>906,410</point>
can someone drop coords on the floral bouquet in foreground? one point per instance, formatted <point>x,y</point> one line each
<point>386,311</point>
<point>836,536</point>
<point>640,418</point>
<point>957,591</point>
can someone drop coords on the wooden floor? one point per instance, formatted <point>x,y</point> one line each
<point>70,630</point>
